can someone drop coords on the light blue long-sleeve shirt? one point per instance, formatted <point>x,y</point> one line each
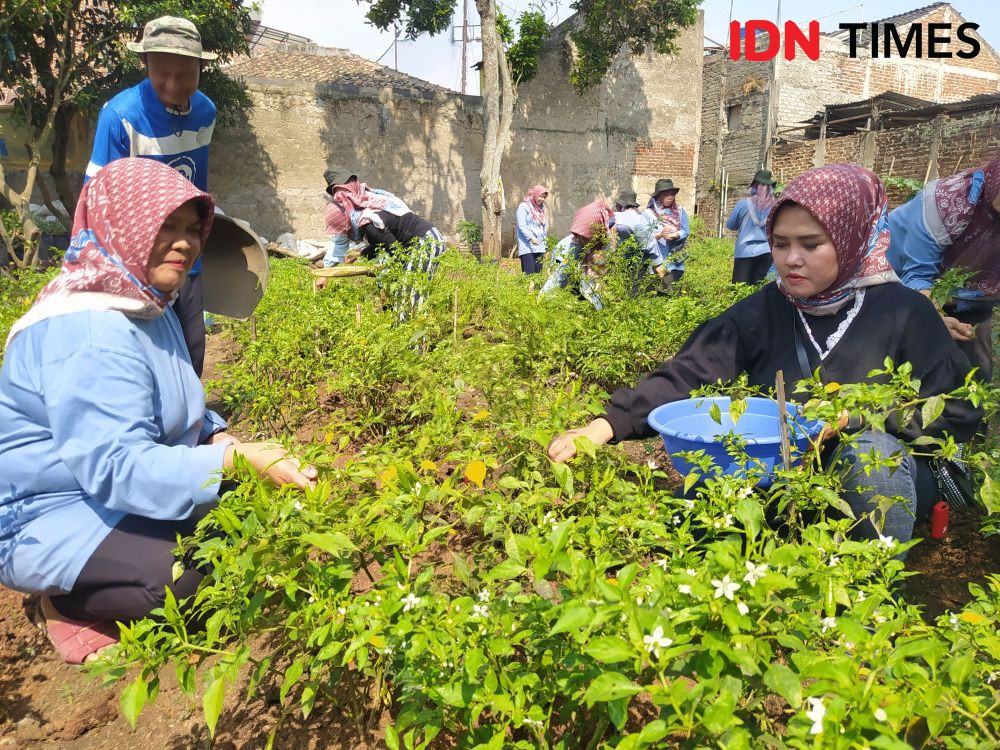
<point>751,238</point>
<point>661,250</point>
<point>101,415</point>
<point>531,236</point>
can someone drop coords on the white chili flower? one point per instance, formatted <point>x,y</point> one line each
<point>743,608</point>
<point>689,503</point>
<point>861,597</point>
<point>651,464</point>
<point>662,563</point>
<point>727,520</point>
<point>341,610</point>
<point>410,601</point>
<point>725,587</point>
<point>953,619</point>
<point>746,492</point>
<point>532,723</point>
<point>480,610</point>
<point>754,572</point>
<point>880,714</point>
<point>484,595</point>
<point>692,572</point>
<point>298,505</point>
<point>886,542</point>
<point>677,520</point>
<point>655,641</point>
<point>834,560</point>
<point>387,651</point>
<point>684,589</point>
<point>815,714</point>
<point>828,623</point>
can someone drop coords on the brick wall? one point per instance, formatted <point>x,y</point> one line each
<point>902,152</point>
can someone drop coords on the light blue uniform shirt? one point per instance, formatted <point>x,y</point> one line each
<point>751,239</point>
<point>528,229</point>
<point>916,256</point>
<point>661,250</point>
<point>101,415</point>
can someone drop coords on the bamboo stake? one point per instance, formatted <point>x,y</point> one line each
<point>786,447</point>
<point>253,327</point>
<point>454,324</point>
<point>357,315</point>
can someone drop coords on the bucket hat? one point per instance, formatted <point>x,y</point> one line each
<point>665,186</point>
<point>626,199</point>
<point>337,176</point>
<point>234,268</point>
<point>764,177</point>
<point>173,35</point>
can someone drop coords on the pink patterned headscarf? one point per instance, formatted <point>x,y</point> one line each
<point>118,216</point>
<point>958,212</point>
<point>586,219</point>
<point>534,200</point>
<point>762,197</point>
<point>849,201</point>
<point>350,197</point>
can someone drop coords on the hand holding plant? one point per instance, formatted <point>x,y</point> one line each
<point>563,447</point>
<point>274,462</point>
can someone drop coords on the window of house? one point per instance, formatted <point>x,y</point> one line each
<point>733,113</point>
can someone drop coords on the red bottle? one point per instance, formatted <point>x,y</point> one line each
<point>939,520</point>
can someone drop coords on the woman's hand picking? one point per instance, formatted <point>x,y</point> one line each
<point>274,462</point>
<point>563,448</point>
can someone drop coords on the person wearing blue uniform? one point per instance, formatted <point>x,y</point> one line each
<point>532,229</point>
<point>166,118</point>
<point>954,223</point>
<point>670,230</point>
<point>107,451</point>
<point>749,220</point>
<point>631,223</point>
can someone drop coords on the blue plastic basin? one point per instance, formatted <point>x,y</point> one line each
<point>688,426</point>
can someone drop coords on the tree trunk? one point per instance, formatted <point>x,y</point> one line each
<point>498,100</point>
<point>65,191</point>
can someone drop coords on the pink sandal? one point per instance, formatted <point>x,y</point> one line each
<point>74,640</point>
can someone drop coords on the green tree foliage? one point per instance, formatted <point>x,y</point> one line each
<point>607,25</point>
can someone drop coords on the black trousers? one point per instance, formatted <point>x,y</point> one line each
<point>189,308</point>
<point>531,262</point>
<point>751,270</point>
<point>980,349</point>
<point>126,576</point>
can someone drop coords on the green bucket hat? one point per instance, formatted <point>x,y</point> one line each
<point>173,35</point>
<point>665,186</point>
<point>337,176</point>
<point>764,177</point>
<point>626,199</point>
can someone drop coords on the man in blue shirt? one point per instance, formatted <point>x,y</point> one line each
<point>168,119</point>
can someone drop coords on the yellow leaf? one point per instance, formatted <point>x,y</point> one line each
<point>328,438</point>
<point>428,465</point>
<point>476,473</point>
<point>975,618</point>
<point>389,474</point>
<point>378,641</point>
<point>480,416</point>
<point>831,387</point>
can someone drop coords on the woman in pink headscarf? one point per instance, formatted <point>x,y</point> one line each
<point>107,451</point>
<point>838,307</point>
<point>584,244</point>
<point>532,228</point>
<point>954,222</point>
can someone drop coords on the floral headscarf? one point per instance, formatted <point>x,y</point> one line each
<point>959,215</point>
<point>762,199</point>
<point>668,216</point>
<point>118,216</point>
<point>849,201</point>
<point>354,196</point>
<point>533,198</point>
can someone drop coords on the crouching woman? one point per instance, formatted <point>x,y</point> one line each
<point>839,303</point>
<point>107,452</point>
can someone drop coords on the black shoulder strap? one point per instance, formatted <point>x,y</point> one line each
<point>800,348</point>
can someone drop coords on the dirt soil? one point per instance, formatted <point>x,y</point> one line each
<point>47,704</point>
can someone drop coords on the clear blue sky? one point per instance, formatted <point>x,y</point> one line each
<point>341,23</point>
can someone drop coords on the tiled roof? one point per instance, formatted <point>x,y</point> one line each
<point>325,66</point>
